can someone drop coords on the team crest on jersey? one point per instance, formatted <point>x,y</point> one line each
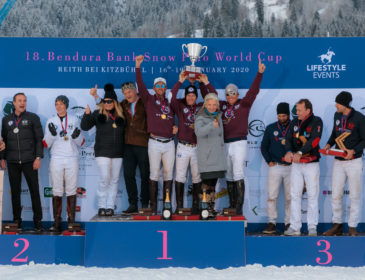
<point>70,126</point>
<point>10,123</point>
<point>186,110</point>
<point>24,122</point>
<point>224,107</point>
<point>276,133</point>
<point>237,106</point>
<point>295,128</point>
<point>158,102</point>
<point>337,122</point>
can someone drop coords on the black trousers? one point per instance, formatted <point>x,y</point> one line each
<point>15,178</point>
<point>136,156</point>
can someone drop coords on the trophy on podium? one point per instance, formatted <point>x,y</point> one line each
<point>194,50</point>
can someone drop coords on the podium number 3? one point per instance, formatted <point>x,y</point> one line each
<point>164,245</point>
<point>26,245</point>
<point>325,250</point>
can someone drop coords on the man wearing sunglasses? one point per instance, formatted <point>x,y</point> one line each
<point>160,124</point>
<point>235,124</point>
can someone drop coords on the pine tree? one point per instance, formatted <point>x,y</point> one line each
<point>259,5</point>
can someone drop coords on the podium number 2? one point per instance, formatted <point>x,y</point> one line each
<point>26,245</point>
<point>164,245</point>
<point>325,250</point>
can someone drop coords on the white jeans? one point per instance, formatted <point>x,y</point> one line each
<point>308,174</point>
<point>184,156</point>
<point>64,173</point>
<point>109,171</point>
<point>352,171</point>
<point>277,175</point>
<point>235,156</point>
<point>158,152</point>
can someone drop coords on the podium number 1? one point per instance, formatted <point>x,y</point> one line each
<point>164,245</point>
<point>26,245</point>
<point>325,250</point>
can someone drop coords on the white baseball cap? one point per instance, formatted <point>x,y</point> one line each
<point>159,79</point>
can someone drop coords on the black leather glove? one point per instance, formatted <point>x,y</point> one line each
<point>52,129</point>
<point>76,133</point>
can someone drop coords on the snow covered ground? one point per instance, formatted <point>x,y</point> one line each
<point>256,272</point>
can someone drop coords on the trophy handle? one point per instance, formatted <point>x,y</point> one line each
<point>184,45</point>
<point>206,48</point>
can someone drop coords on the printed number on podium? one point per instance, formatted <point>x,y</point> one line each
<point>26,246</point>
<point>325,250</point>
<point>164,245</point>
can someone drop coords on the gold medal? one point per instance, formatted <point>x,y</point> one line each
<point>283,142</point>
<point>66,138</point>
<point>192,126</point>
<point>228,120</point>
<point>163,116</point>
<point>114,125</point>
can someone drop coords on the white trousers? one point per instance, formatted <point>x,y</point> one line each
<point>64,173</point>
<point>109,171</point>
<point>278,174</point>
<point>158,152</point>
<point>184,156</point>
<point>308,174</point>
<point>235,156</point>
<point>350,170</point>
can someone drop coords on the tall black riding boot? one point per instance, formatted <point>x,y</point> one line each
<point>57,210</point>
<point>231,194</point>
<point>179,192</point>
<point>196,192</point>
<point>153,188</point>
<point>240,195</point>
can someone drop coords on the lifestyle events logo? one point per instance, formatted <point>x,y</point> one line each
<point>326,70</point>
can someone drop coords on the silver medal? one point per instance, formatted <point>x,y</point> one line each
<point>16,130</point>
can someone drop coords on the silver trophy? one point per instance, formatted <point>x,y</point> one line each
<point>194,50</point>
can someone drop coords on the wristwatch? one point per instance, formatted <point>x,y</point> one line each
<point>38,158</point>
<point>300,152</point>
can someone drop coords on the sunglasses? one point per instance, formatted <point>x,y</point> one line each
<point>158,86</point>
<point>231,93</point>
<point>107,101</point>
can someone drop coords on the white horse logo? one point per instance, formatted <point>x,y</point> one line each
<point>327,56</point>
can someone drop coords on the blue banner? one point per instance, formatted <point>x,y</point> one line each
<point>81,63</point>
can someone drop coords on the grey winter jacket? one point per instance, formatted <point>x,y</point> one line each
<point>211,149</point>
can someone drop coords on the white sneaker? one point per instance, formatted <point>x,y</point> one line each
<point>292,232</point>
<point>312,232</point>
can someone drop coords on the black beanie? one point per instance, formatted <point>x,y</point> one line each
<point>191,89</point>
<point>283,108</point>
<point>62,98</point>
<point>344,98</point>
<point>109,92</point>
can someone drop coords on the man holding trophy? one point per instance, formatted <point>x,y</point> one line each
<point>160,125</point>
<point>349,135</point>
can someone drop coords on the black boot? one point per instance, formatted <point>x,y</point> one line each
<point>179,192</point>
<point>153,188</point>
<point>231,194</point>
<point>57,210</point>
<point>71,208</point>
<point>133,208</point>
<point>196,192</point>
<point>167,185</point>
<point>240,195</point>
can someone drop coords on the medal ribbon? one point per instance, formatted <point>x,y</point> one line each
<point>162,104</point>
<point>343,127</point>
<point>191,113</point>
<point>230,111</point>
<point>63,128</point>
<point>286,130</point>
<point>110,115</point>
<point>17,121</point>
<point>299,125</point>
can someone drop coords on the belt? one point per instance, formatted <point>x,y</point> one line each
<point>230,140</point>
<point>281,164</point>
<point>161,140</point>
<point>187,143</point>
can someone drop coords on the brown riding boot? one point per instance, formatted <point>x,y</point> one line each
<point>71,208</point>
<point>57,210</point>
<point>335,230</point>
<point>352,231</point>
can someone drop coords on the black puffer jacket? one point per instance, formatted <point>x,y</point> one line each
<point>109,141</point>
<point>26,145</point>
